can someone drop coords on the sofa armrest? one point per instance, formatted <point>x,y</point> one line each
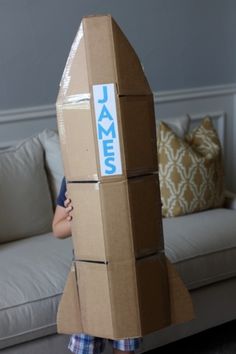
<point>230,200</point>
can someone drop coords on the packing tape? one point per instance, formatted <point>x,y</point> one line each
<point>65,76</point>
<point>79,101</point>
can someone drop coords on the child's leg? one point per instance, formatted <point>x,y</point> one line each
<point>126,346</point>
<point>85,344</point>
<point>117,351</point>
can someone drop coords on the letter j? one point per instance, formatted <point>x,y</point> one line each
<point>105,96</point>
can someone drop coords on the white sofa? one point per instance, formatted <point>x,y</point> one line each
<point>34,265</point>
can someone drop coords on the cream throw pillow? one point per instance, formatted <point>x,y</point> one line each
<point>190,170</point>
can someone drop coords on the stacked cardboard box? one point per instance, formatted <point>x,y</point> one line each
<point>119,284</point>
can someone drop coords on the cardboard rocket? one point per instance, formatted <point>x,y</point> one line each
<point>121,283</point>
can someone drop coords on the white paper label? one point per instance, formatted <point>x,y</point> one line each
<point>107,129</point>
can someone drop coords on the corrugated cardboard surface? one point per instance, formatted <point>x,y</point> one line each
<point>101,54</point>
<point>69,313</point>
<point>180,299</point>
<point>111,58</point>
<point>154,310</point>
<point>153,293</point>
<point>79,150</point>
<point>137,135</point>
<point>116,220</point>
<point>121,285</point>
<point>123,299</point>
<point>108,298</point>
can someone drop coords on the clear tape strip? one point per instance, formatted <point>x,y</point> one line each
<point>66,77</point>
<point>79,101</point>
<point>79,98</point>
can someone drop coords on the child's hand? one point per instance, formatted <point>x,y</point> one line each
<point>68,208</point>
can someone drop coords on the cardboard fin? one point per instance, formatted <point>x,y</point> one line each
<point>153,293</point>
<point>68,314</point>
<point>180,299</point>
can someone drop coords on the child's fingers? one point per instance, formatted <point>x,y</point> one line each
<point>67,202</point>
<point>69,209</point>
<point>69,213</point>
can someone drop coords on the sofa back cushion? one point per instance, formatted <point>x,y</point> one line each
<point>179,126</point>
<point>53,161</point>
<point>26,207</point>
<point>190,170</point>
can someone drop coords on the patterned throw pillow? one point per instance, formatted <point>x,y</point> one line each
<point>190,170</point>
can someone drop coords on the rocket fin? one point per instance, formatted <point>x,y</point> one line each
<point>180,298</point>
<point>69,315</point>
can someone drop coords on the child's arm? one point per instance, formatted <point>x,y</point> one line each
<point>61,224</point>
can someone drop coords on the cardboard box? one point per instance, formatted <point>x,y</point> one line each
<point>123,299</point>
<point>105,104</point>
<point>121,284</point>
<point>129,309</point>
<point>116,220</point>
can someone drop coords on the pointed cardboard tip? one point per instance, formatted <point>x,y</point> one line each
<point>111,58</point>
<point>132,79</point>
<point>101,54</point>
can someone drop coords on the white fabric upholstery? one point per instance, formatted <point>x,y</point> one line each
<point>202,245</point>
<point>52,344</point>
<point>34,269</point>
<point>32,278</point>
<point>53,161</point>
<point>180,125</point>
<point>26,207</point>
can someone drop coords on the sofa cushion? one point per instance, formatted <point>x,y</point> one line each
<point>202,245</point>
<point>26,207</point>
<point>32,278</point>
<point>190,170</point>
<point>53,161</point>
<point>179,125</point>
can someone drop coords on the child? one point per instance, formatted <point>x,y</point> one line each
<point>83,343</point>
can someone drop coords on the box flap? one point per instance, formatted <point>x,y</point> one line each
<point>131,77</point>
<point>125,306</point>
<point>138,134</point>
<point>180,299</point>
<point>87,225</point>
<point>111,58</point>
<point>153,293</point>
<point>68,314</point>
<point>74,85</point>
<point>101,53</point>
<point>95,298</point>
<point>145,214</point>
